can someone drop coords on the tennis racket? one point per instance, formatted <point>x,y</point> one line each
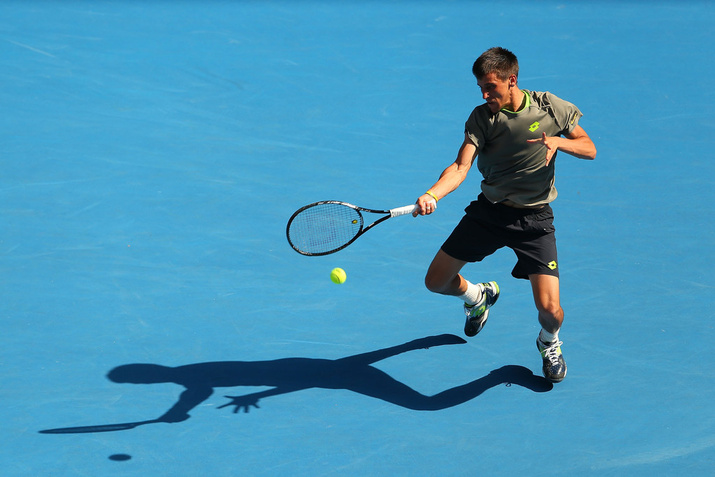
<point>325,227</point>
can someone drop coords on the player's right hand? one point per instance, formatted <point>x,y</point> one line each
<point>427,205</point>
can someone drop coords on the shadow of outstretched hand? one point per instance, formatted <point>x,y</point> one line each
<point>242,402</point>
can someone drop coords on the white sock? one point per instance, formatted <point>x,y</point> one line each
<point>473,293</point>
<point>547,337</point>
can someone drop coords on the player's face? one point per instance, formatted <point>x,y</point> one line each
<point>496,92</point>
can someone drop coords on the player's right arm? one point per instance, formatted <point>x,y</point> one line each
<point>450,178</point>
<point>189,399</point>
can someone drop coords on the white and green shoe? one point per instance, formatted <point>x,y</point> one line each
<point>554,364</point>
<point>478,313</point>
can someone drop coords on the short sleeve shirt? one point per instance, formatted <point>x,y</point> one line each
<point>514,170</point>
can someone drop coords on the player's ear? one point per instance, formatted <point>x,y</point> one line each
<point>512,80</point>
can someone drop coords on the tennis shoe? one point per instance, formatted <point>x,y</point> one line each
<point>478,313</point>
<point>554,364</point>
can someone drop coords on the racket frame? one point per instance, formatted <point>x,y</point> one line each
<point>408,209</point>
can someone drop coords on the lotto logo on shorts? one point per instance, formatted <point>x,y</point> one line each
<point>553,265</point>
<point>534,126</point>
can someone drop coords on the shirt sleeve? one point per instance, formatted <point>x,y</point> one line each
<point>474,129</point>
<point>566,114</point>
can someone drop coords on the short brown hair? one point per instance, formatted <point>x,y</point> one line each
<point>497,60</point>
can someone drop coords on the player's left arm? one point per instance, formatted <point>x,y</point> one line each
<point>577,143</point>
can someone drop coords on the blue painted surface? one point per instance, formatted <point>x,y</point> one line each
<point>153,152</point>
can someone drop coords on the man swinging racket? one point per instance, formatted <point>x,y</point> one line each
<point>514,136</point>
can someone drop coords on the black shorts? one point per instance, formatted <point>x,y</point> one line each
<point>487,227</point>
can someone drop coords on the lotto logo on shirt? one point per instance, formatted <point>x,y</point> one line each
<point>534,126</point>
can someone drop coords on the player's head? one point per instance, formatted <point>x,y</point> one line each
<point>497,60</point>
<point>141,374</point>
<point>497,71</point>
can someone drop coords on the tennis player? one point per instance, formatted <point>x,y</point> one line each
<point>515,137</point>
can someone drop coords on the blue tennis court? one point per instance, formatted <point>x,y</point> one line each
<point>154,151</point>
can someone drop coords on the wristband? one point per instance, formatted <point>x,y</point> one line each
<point>429,192</point>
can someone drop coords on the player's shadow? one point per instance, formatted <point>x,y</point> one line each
<point>354,373</point>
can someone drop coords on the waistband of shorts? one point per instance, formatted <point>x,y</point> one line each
<point>509,205</point>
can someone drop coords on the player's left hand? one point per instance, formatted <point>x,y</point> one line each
<point>550,143</point>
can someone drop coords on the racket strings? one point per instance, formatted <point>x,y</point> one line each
<point>323,228</point>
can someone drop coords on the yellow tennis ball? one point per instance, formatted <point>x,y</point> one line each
<point>338,276</point>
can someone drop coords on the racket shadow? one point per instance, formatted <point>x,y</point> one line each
<point>99,428</point>
<point>287,375</point>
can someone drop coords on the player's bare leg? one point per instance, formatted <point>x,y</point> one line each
<point>551,317</point>
<point>443,277</point>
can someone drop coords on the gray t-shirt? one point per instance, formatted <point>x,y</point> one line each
<point>514,170</point>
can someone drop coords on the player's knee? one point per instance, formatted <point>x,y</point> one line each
<point>551,308</point>
<point>433,283</point>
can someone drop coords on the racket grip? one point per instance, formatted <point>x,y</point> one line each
<point>408,209</point>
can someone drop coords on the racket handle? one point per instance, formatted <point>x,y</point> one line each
<point>408,209</point>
